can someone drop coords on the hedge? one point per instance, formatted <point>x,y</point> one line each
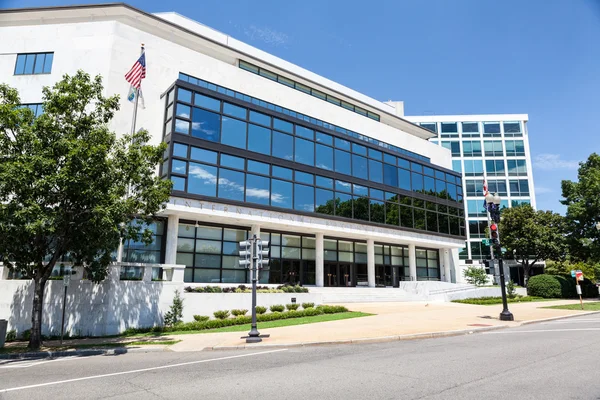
<point>558,286</point>
<point>246,289</point>
<point>241,320</point>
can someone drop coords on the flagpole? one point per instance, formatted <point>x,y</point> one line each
<point>135,106</point>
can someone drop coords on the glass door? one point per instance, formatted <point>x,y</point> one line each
<point>330,271</point>
<point>291,271</point>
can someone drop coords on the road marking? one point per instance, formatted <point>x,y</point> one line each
<point>541,330</point>
<point>31,363</point>
<point>135,371</point>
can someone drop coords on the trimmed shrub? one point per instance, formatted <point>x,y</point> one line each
<point>311,312</point>
<point>277,308</point>
<point>261,309</point>
<point>546,286</point>
<point>238,313</point>
<point>201,318</point>
<point>292,307</point>
<point>222,314</point>
<point>475,276</point>
<point>308,305</point>
<point>332,309</point>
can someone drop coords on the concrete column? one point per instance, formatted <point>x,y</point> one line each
<point>171,245</point>
<point>446,258</point>
<point>319,261</point>
<point>371,262</point>
<point>412,262</point>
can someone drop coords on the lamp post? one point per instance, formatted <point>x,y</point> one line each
<point>493,212</point>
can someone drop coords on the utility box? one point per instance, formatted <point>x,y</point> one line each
<point>3,326</point>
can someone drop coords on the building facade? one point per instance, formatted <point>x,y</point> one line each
<point>494,148</point>
<point>347,191</point>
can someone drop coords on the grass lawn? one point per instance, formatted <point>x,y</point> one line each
<point>24,349</point>
<point>595,306</point>
<point>490,301</point>
<point>266,325</point>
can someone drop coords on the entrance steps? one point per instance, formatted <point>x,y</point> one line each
<point>408,291</point>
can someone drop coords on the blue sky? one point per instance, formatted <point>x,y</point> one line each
<point>537,57</point>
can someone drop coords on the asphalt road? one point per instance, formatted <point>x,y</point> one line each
<point>553,360</point>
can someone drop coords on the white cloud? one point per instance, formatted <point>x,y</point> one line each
<point>549,162</point>
<point>266,35</point>
<point>542,190</point>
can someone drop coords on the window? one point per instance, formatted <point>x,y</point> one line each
<point>473,168</point>
<point>283,146</point>
<point>470,129</point>
<point>519,187</point>
<point>498,187</point>
<point>430,126</point>
<point>517,167</point>
<point>34,63</point>
<point>493,148</point>
<point>491,129</point>
<point>202,179</point>
<point>474,188</point>
<point>494,167</point>
<point>454,147</point>
<point>359,167</point>
<point>304,151</point>
<point>233,132</point>
<point>517,203</point>
<point>342,162</point>
<point>449,129</point>
<point>456,166</point>
<point>477,229</point>
<point>515,148</point>
<point>305,89</point>
<point>206,125</point>
<point>257,189</point>
<point>139,252</point>
<point>512,129</point>
<point>472,148</point>
<point>428,266</point>
<point>475,208</point>
<point>36,108</point>
<point>324,157</point>
<point>259,139</point>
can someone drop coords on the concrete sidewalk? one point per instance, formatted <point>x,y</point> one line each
<point>392,320</point>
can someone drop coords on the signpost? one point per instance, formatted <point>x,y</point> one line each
<point>485,242</point>
<point>66,282</point>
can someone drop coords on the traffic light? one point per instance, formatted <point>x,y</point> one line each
<point>263,253</point>
<point>246,254</point>
<point>494,238</point>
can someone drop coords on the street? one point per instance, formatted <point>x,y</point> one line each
<point>551,360</point>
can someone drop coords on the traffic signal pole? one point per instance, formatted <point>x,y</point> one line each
<point>254,255</point>
<point>493,213</point>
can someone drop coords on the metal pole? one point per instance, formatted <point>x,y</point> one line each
<point>505,315</point>
<point>254,335</point>
<point>137,97</point>
<point>62,324</point>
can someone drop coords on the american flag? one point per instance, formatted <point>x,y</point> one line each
<point>485,192</point>
<point>137,72</point>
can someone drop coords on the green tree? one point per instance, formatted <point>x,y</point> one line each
<point>68,186</point>
<point>532,236</point>
<point>475,276</point>
<point>582,199</point>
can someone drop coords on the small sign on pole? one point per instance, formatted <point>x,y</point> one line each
<point>573,273</point>
<point>578,277</point>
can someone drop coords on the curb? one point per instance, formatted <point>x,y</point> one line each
<point>380,339</point>
<point>80,353</point>
<point>536,321</point>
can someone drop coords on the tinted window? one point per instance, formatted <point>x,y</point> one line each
<point>324,138</point>
<point>304,177</point>
<point>180,150</point>
<point>375,171</point>
<point>342,144</point>
<point>305,152</point>
<point>258,167</point>
<point>233,132</point>
<point>324,201</point>
<point>259,139</point>
<point>231,184</point>
<point>260,118</point>
<point>358,149</point>
<point>206,125</point>
<point>184,95</point>
<point>404,179</point>
<point>283,125</point>
<point>204,101</point>
<point>417,182</point>
<point>232,161</point>
<point>324,157</point>
<point>204,155</point>
<point>324,182</point>
<point>202,179</point>
<point>281,193</point>
<point>283,146</point>
<point>376,154</point>
<point>359,167</point>
<point>342,162</point>
<point>281,172</point>
<point>343,205</point>
<point>470,127</point>
<point>304,198</point>
<point>257,189</point>
<point>449,127</point>
<point>179,167</point>
<point>234,110</point>
<point>305,132</point>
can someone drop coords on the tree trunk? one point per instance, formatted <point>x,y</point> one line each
<point>35,340</point>
<point>526,268</point>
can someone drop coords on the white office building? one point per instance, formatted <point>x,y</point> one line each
<point>494,148</point>
<point>347,190</point>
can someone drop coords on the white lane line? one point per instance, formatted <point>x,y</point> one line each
<point>586,321</point>
<point>135,371</point>
<point>540,330</point>
<point>31,363</point>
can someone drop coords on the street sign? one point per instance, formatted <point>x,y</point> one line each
<point>573,273</point>
<point>485,242</point>
<point>579,275</point>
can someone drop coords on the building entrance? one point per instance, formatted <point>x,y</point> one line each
<point>340,274</point>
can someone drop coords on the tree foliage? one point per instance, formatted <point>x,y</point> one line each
<point>68,187</point>
<point>532,236</point>
<point>582,199</point>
